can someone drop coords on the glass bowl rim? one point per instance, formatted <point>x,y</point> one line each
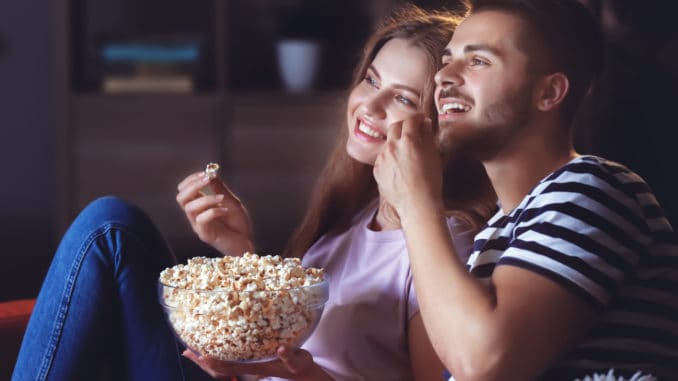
<point>323,283</point>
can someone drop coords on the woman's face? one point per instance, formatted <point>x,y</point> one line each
<point>391,91</point>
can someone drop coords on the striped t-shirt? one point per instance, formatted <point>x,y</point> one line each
<point>596,228</point>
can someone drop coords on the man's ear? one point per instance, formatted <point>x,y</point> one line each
<point>551,91</point>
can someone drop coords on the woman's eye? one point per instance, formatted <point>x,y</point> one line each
<point>404,100</point>
<point>371,81</point>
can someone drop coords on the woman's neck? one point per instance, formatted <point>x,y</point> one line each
<point>386,218</point>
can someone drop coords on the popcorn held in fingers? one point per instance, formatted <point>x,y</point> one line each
<point>242,308</point>
<point>211,171</point>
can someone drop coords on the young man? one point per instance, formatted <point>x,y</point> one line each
<point>577,272</point>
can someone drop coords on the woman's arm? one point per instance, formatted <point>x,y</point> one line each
<point>219,219</point>
<point>426,365</point>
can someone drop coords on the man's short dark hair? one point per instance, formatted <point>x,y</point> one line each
<point>569,36</point>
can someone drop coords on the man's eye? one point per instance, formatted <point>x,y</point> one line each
<point>404,100</point>
<point>371,81</point>
<point>477,62</point>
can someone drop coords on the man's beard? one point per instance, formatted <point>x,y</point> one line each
<point>499,123</point>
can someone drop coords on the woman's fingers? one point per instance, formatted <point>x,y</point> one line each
<point>189,179</point>
<point>199,205</point>
<point>296,361</point>
<point>191,190</point>
<point>215,369</point>
<point>211,215</point>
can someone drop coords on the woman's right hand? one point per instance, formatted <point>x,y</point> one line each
<point>220,220</point>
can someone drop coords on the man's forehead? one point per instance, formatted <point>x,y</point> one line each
<point>493,27</point>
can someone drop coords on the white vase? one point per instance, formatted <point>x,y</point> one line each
<point>298,63</point>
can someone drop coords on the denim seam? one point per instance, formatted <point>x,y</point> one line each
<point>66,299</point>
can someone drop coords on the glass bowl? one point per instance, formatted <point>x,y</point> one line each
<point>243,326</point>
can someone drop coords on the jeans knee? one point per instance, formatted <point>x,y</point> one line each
<point>114,210</point>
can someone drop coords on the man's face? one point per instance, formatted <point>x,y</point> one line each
<point>484,91</point>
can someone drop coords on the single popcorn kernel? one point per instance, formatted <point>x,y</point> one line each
<point>211,172</point>
<point>242,308</point>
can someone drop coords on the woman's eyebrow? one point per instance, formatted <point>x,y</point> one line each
<point>399,86</point>
<point>375,71</point>
<point>406,88</point>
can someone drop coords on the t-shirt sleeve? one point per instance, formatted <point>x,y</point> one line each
<point>412,302</point>
<point>585,232</point>
<point>462,237</point>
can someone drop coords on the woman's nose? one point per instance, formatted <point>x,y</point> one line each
<point>374,105</point>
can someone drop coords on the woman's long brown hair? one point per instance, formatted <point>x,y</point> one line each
<point>346,186</point>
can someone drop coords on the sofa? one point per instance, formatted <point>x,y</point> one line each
<point>14,316</point>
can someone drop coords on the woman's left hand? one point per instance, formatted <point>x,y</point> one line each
<point>408,170</point>
<point>294,364</point>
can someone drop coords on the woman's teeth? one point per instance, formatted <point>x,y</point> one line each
<point>455,107</point>
<point>370,132</point>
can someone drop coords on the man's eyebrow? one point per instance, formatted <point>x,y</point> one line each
<point>447,52</point>
<point>482,47</point>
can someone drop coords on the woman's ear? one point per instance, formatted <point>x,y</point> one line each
<point>551,91</point>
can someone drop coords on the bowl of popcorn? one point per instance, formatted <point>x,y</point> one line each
<point>241,309</point>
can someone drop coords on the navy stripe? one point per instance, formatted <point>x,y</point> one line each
<point>566,283</point>
<point>586,243</point>
<point>478,244</point>
<point>499,243</point>
<point>603,198</point>
<point>625,331</point>
<point>621,356</point>
<point>666,237</point>
<point>653,211</point>
<point>501,222</point>
<point>666,285</point>
<point>645,306</point>
<point>661,261</point>
<point>610,285</point>
<point>483,271</point>
<point>601,171</point>
<point>592,219</point>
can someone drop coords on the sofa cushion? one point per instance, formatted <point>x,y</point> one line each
<point>13,320</point>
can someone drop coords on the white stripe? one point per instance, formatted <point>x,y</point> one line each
<point>595,207</point>
<point>572,250</point>
<point>562,270</point>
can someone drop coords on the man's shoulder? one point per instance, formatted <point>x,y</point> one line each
<point>592,176</point>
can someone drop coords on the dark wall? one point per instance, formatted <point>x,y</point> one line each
<point>26,145</point>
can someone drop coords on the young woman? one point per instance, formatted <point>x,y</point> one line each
<point>99,298</point>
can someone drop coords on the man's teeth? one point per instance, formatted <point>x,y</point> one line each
<point>455,107</point>
<point>368,131</point>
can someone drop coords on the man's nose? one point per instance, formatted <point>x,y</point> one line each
<point>448,75</point>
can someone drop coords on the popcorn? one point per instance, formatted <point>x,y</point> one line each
<point>242,308</point>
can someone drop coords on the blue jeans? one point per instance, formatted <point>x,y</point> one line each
<point>98,305</point>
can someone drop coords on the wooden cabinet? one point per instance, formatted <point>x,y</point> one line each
<point>271,144</point>
<point>271,147</point>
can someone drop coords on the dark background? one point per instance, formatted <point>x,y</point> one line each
<point>631,118</point>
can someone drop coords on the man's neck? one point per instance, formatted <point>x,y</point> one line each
<point>515,172</point>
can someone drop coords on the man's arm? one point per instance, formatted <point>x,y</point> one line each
<point>512,329</point>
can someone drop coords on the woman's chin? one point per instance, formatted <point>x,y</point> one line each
<point>361,157</point>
